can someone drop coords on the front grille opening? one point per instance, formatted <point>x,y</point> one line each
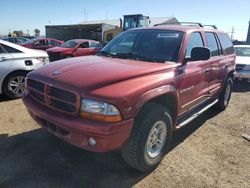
<point>62,106</point>
<point>61,94</point>
<point>51,96</point>
<point>37,95</point>
<point>36,85</point>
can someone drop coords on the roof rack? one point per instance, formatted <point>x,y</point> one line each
<point>191,23</point>
<point>213,26</point>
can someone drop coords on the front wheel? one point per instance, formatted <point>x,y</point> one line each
<point>14,85</point>
<point>150,138</point>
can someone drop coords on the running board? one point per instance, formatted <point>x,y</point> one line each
<point>195,115</point>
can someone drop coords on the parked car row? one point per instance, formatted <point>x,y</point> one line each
<point>15,63</point>
<point>74,48</point>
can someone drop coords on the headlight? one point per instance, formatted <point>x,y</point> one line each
<point>43,59</point>
<point>99,111</point>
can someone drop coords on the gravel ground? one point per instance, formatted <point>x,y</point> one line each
<point>208,152</point>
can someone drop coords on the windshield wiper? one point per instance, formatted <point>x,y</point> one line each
<point>138,57</point>
<point>106,54</point>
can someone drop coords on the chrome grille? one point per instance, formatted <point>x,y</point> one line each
<point>52,96</point>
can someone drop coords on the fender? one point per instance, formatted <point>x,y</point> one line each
<point>151,94</point>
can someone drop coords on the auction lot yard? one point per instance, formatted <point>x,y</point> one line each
<point>208,152</point>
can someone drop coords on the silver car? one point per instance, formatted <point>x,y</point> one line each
<point>242,61</point>
<point>15,63</point>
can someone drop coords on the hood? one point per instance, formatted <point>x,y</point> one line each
<point>59,49</point>
<point>242,60</point>
<point>90,72</point>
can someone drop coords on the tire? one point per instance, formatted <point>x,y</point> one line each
<point>14,85</point>
<point>138,152</point>
<point>225,95</point>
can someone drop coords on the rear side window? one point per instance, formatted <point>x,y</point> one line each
<point>226,43</point>
<point>10,49</point>
<point>53,43</point>
<point>2,50</point>
<point>194,41</point>
<point>212,44</point>
<point>94,44</point>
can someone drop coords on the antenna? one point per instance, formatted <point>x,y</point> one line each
<point>232,33</point>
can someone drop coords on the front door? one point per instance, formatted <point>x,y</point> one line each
<point>193,80</point>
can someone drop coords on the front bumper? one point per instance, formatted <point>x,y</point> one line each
<point>242,74</point>
<point>77,131</point>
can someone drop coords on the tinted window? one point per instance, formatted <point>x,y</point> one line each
<point>94,44</point>
<point>84,45</point>
<point>70,44</point>
<point>2,50</point>
<point>53,43</point>
<point>242,51</point>
<point>226,43</point>
<point>194,41</point>
<point>10,49</point>
<point>212,43</point>
<point>42,43</point>
<point>145,45</point>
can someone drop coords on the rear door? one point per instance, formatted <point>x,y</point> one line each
<point>94,47</point>
<point>193,85</point>
<point>217,63</point>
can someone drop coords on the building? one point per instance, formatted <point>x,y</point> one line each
<point>94,29</point>
<point>248,34</point>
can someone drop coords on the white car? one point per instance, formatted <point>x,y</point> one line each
<point>242,61</point>
<point>15,63</point>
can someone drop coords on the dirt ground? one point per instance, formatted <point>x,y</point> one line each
<point>208,152</point>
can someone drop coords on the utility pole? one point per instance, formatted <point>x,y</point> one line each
<point>232,33</point>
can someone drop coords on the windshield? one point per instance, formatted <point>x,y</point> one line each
<point>70,44</point>
<point>242,51</point>
<point>145,45</point>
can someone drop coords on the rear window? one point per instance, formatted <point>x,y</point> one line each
<point>10,49</point>
<point>226,43</point>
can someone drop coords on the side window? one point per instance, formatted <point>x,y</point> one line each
<point>84,45</point>
<point>94,44</point>
<point>212,44</point>
<point>226,43</point>
<point>194,41</point>
<point>42,43</point>
<point>53,43</point>
<point>2,50</point>
<point>10,49</point>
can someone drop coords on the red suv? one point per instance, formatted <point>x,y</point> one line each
<point>74,48</point>
<point>142,86</point>
<point>41,43</point>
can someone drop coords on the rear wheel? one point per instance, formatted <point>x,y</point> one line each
<point>225,95</point>
<point>14,85</point>
<point>69,56</point>
<point>150,138</point>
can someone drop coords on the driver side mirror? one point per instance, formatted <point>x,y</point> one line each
<point>200,53</point>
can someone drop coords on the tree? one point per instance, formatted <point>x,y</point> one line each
<point>18,33</point>
<point>37,32</point>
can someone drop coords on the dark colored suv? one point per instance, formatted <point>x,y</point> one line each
<point>142,86</point>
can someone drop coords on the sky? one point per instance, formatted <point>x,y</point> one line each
<point>26,15</point>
